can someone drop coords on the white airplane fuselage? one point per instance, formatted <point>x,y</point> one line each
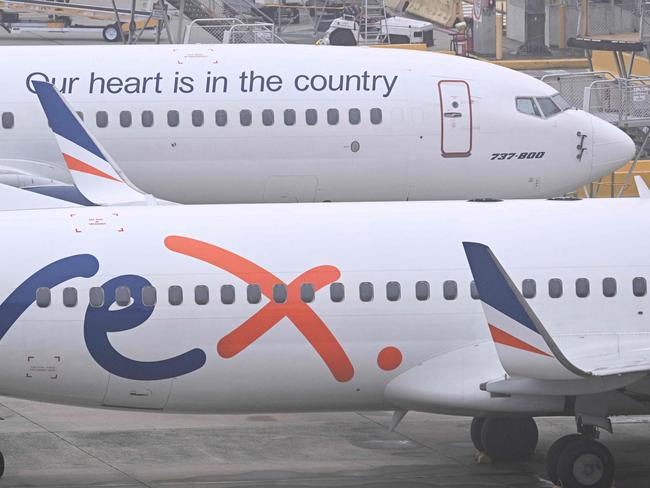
<point>247,351</point>
<point>233,124</point>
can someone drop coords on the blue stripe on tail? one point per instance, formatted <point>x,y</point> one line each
<point>61,119</point>
<point>492,285</point>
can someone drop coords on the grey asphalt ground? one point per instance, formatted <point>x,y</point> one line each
<point>57,446</point>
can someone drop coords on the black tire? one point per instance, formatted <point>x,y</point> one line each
<point>585,463</point>
<point>112,33</point>
<point>342,37</point>
<point>553,455</point>
<point>509,439</point>
<point>398,39</point>
<point>475,432</point>
<point>2,465</point>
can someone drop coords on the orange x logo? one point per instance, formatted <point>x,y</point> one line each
<point>299,313</point>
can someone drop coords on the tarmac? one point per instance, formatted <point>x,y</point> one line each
<point>57,446</point>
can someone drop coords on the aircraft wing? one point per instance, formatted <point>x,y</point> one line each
<point>12,198</point>
<point>526,349</point>
<point>93,170</point>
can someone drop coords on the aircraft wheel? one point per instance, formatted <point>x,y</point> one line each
<point>2,465</point>
<point>475,432</point>
<point>553,455</point>
<point>586,463</point>
<point>509,439</point>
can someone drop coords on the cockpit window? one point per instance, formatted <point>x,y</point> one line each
<point>561,102</point>
<point>548,106</point>
<point>527,106</point>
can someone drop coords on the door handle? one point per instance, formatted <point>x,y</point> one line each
<point>453,115</point>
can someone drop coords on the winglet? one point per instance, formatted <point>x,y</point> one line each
<point>524,346</point>
<point>94,172</point>
<point>641,187</point>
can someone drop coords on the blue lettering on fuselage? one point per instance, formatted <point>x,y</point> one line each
<point>79,266</point>
<point>99,321</point>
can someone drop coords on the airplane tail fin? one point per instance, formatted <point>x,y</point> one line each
<point>524,346</point>
<point>94,172</point>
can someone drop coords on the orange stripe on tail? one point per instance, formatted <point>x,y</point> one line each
<point>506,339</point>
<point>76,165</point>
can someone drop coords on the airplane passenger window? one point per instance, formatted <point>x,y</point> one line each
<point>354,116</point>
<point>101,119</point>
<point>227,294</point>
<point>366,291</point>
<point>253,294</point>
<point>609,287</point>
<point>96,297</point>
<point>175,295</point>
<point>311,116</point>
<point>582,287</point>
<point>422,290</point>
<point>529,288</point>
<point>548,106</point>
<point>393,291</point>
<point>149,296</point>
<point>245,118</point>
<point>289,117</point>
<point>43,297</point>
<point>81,115</point>
<point>375,115</point>
<point>268,117</point>
<point>147,118</point>
<point>122,296</point>
<point>450,290</point>
<point>473,291</point>
<point>527,106</point>
<point>201,295</point>
<point>337,292</point>
<point>307,293</point>
<point>332,116</point>
<point>69,297</point>
<point>197,118</point>
<point>221,118</point>
<point>173,119</point>
<point>555,288</point>
<point>639,286</point>
<point>279,293</point>
<point>125,118</point>
<point>7,120</point>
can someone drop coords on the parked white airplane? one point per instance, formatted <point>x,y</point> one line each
<point>342,306</point>
<point>250,123</point>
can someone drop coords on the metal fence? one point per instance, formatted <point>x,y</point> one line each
<point>623,102</point>
<point>230,31</point>
<point>608,17</point>
<point>572,85</point>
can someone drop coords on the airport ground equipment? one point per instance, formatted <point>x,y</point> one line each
<point>124,18</point>
<point>231,31</point>
<point>367,22</point>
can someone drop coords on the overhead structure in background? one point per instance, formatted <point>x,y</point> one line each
<point>621,28</point>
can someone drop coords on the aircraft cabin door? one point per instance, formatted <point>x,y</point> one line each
<point>456,118</point>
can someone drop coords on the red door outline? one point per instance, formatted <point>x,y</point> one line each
<point>442,121</point>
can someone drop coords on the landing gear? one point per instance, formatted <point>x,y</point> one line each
<point>505,439</point>
<point>578,461</point>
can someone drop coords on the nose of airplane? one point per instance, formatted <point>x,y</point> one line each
<point>612,148</point>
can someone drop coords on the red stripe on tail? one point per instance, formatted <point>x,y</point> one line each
<point>506,339</point>
<point>76,165</point>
